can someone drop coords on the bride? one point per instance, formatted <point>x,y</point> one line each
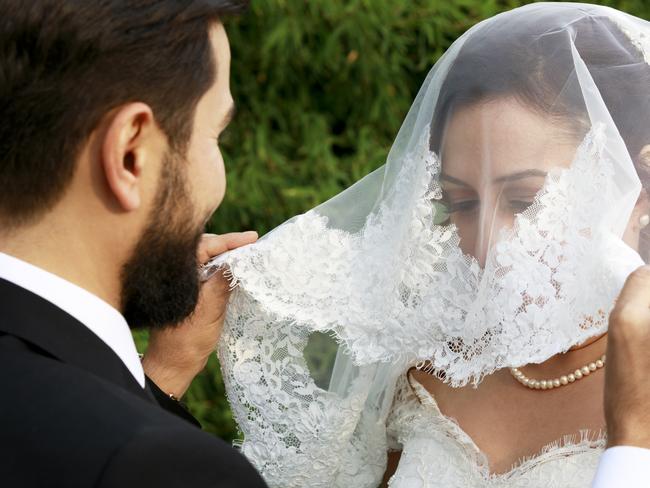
<point>465,285</point>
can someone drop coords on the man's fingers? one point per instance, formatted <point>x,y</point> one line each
<point>626,394</point>
<point>633,305</point>
<point>637,288</point>
<point>234,240</point>
<point>212,245</point>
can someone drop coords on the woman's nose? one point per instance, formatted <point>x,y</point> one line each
<point>491,221</point>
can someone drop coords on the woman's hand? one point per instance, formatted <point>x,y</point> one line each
<point>627,375</point>
<point>176,354</point>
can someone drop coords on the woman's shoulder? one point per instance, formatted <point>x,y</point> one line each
<point>412,403</point>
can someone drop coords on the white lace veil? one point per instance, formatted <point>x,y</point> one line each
<point>497,234</point>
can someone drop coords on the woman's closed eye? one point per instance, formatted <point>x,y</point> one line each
<point>514,205</point>
<point>518,200</point>
<point>519,205</point>
<point>461,205</point>
<point>459,200</point>
<point>519,195</point>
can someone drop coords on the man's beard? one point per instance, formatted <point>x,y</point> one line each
<point>160,283</point>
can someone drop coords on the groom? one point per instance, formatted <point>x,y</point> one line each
<point>110,113</point>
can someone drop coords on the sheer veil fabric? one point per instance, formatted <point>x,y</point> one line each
<point>498,233</point>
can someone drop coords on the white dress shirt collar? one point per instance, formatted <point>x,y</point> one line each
<point>93,312</point>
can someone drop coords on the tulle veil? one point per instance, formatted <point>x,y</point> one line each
<point>332,306</point>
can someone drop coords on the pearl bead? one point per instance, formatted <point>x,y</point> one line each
<point>549,384</point>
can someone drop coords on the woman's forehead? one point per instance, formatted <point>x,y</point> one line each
<point>503,137</point>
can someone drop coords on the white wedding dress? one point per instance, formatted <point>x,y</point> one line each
<point>405,268</point>
<point>437,453</point>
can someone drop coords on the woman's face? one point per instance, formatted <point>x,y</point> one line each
<point>495,156</point>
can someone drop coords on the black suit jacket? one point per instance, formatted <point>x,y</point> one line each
<point>72,415</point>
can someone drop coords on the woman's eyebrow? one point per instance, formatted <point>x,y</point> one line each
<point>520,175</point>
<point>451,179</point>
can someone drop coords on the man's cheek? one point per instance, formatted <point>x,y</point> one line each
<point>217,180</point>
<point>208,179</point>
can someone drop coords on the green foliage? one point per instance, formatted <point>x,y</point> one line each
<point>321,88</point>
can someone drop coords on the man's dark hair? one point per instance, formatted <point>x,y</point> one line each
<point>65,63</point>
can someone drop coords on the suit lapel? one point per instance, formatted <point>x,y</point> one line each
<point>36,321</point>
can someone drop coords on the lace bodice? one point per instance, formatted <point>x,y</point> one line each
<point>436,452</point>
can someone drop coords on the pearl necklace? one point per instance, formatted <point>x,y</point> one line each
<point>578,374</point>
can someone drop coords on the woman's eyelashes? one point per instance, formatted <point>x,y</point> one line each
<point>460,206</point>
<point>519,206</point>
<point>454,205</point>
<point>520,199</point>
<point>463,201</point>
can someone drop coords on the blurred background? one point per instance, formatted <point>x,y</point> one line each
<point>321,88</point>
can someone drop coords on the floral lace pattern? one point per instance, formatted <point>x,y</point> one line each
<point>634,31</point>
<point>296,434</point>
<point>437,453</point>
<point>419,297</point>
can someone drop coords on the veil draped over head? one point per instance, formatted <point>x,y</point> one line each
<point>497,234</point>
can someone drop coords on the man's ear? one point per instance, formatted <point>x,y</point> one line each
<point>125,151</point>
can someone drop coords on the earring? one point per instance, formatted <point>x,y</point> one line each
<point>644,220</point>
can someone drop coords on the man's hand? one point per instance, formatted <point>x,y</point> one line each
<point>176,354</point>
<point>627,384</point>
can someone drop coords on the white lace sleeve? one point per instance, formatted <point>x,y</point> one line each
<point>406,408</point>
<point>295,433</point>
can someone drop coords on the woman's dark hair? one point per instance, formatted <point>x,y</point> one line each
<point>536,68</point>
<point>65,63</point>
